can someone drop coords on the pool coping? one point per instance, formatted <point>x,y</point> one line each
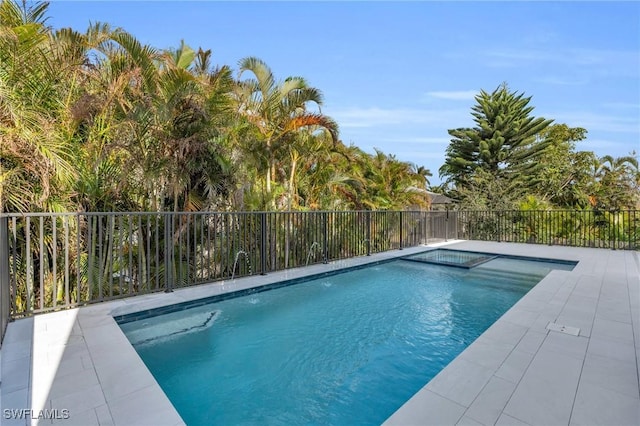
<point>79,360</point>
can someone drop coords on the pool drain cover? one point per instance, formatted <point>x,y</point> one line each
<point>574,331</point>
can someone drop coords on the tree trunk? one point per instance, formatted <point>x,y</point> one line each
<point>268,180</point>
<point>271,173</point>
<point>291,187</point>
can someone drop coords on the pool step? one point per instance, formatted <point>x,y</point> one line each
<point>504,276</point>
<point>444,260</point>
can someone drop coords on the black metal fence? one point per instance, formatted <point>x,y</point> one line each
<point>54,261</point>
<point>51,261</point>
<point>577,228</point>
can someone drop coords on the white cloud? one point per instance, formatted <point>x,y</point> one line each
<point>622,105</point>
<point>599,122</point>
<point>604,145</point>
<point>607,62</point>
<point>559,81</point>
<point>373,117</point>
<point>418,140</point>
<point>416,156</point>
<point>456,95</point>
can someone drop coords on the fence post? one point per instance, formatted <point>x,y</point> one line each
<point>425,227</point>
<point>636,231</point>
<point>432,229</point>
<point>614,220</point>
<point>457,222</point>
<point>549,225</point>
<point>325,237</point>
<point>446,224</point>
<point>168,252</point>
<point>401,230</point>
<point>368,232</point>
<point>5,278</point>
<point>263,243</point>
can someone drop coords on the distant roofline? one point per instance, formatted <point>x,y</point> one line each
<point>439,198</point>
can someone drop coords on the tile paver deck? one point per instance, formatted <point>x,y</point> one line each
<point>79,365</point>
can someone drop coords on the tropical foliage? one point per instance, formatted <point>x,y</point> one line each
<point>94,120</point>
<point>511,157</point>
<point>97,121</point>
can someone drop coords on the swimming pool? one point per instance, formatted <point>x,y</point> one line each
<point>349,348</point>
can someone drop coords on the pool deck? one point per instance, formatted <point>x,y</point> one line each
<point>78,364</point>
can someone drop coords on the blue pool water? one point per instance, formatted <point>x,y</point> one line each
<point>345,349</point>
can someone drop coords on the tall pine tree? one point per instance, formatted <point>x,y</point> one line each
<point>503,144</point>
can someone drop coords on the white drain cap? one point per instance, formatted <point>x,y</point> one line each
<point>574,331</point>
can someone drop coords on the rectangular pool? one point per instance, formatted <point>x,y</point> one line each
<point>348,348</point>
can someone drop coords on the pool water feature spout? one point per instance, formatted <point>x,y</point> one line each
<point>235,262</point>
<point>368,242</point>
<point>314,245</point>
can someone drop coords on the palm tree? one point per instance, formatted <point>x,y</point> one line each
<point>305,153</point>
<point>394,184</point>
<point>193,108</point>
<point>278,109</point>
<point>329,178</point>
<point>115,79</point>
<point>617,179</point>
<point>422,174</point>
<point>36,87</point>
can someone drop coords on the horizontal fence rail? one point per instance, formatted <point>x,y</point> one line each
<point>51,261</point>
<point>588,228</point>
<point>55,261</point>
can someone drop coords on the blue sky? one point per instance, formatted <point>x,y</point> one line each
<point>397,75</point>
